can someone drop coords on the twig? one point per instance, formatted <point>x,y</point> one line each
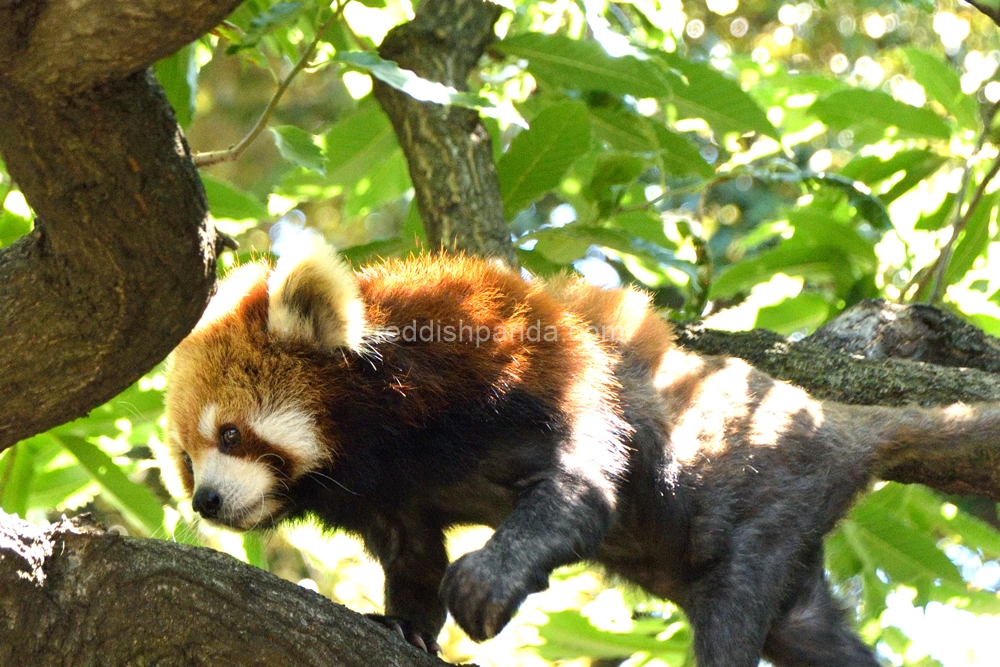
<point>993,13</point>
<point>233,152</point>
<point>940,266</point>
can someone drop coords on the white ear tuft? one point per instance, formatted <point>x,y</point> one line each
<point>313,297</point>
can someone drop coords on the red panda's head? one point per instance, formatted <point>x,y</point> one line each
<point>243,398</point>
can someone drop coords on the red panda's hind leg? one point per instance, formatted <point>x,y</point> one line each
<point>815,633</point>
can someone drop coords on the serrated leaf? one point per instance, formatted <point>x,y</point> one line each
<point>941,83</point>
<point>410,82</point>
<point>539,157</point>
<point>178,76</point>
<point>135,500</point>
<point>225,201</point>
<point>577,64</point>
<point>299,147</point>
<point>707,93</point>
<point>874,110</point>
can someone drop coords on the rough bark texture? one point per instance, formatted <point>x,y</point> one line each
<point>449,152</point>
<point>73,595</point>
<point>62,47</point>
<point>122,259</point>
<point>882,354</point>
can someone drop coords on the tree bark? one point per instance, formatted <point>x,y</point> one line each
<point>122,259</point>
<point>74,595</point>
<point>448,150</point>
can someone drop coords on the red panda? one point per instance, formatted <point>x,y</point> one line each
<point>418,394</point>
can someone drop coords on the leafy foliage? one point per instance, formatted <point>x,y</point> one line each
<point>752,164</point>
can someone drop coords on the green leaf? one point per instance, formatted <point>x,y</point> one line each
<point>941,83</point>
<point>299,147</point>
<point>409,82</point>
<point>822,249</point>
<point>576,64</point>
<point>17,470</point>
<point>359,142</point>
<point>178,76</point>
<point>12,227</point>
<point>925,508</point>
<point>645,225</point>
<point>916,165</point>
<point>805,311</point>
<point>225,201</point>
<point>973,240</point>
<point>869,206</point>
<point>52,488</point>
<point>135,500</point>
<point>934,221</point>
<point>611,173</point>
<point>569,635</point>
<point>709,94</point>
<point>874,111</point>
<point>905,553</point>
<point>628,131</point>
<point>814,264</point>
<point>539,157</point>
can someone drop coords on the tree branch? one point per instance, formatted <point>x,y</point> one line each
<point>234,152</point>
<point>122,259</point>
<point>62,47</point>
<point>880,354</point>
<point>73,595</point>
<point>449,152</point>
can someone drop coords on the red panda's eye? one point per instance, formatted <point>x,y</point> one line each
<point>229,439</point>
<point>187,462</point>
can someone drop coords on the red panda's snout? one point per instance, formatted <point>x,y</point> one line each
<point>241,465</point>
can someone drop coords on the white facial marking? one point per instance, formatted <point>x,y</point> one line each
<point>243,486</point>
<point>206,422</point>
<point>293,430</point>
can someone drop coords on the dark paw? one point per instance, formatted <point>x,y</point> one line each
<point>482,595</point>
<point>405,629</point>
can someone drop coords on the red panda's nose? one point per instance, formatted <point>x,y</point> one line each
<point>207,502</point>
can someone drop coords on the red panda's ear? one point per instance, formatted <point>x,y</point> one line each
<point>313,298</point>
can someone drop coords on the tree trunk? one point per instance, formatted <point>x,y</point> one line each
<point>448,150</point>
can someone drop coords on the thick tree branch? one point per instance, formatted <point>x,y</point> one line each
<point>882,354</point>
<point>122,259</point>
<point>63,47</point>
<point>448,150</point>
<point>73,595</point>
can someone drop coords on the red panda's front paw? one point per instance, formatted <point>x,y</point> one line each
<point>405,629</point>
<point>482,592</point>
